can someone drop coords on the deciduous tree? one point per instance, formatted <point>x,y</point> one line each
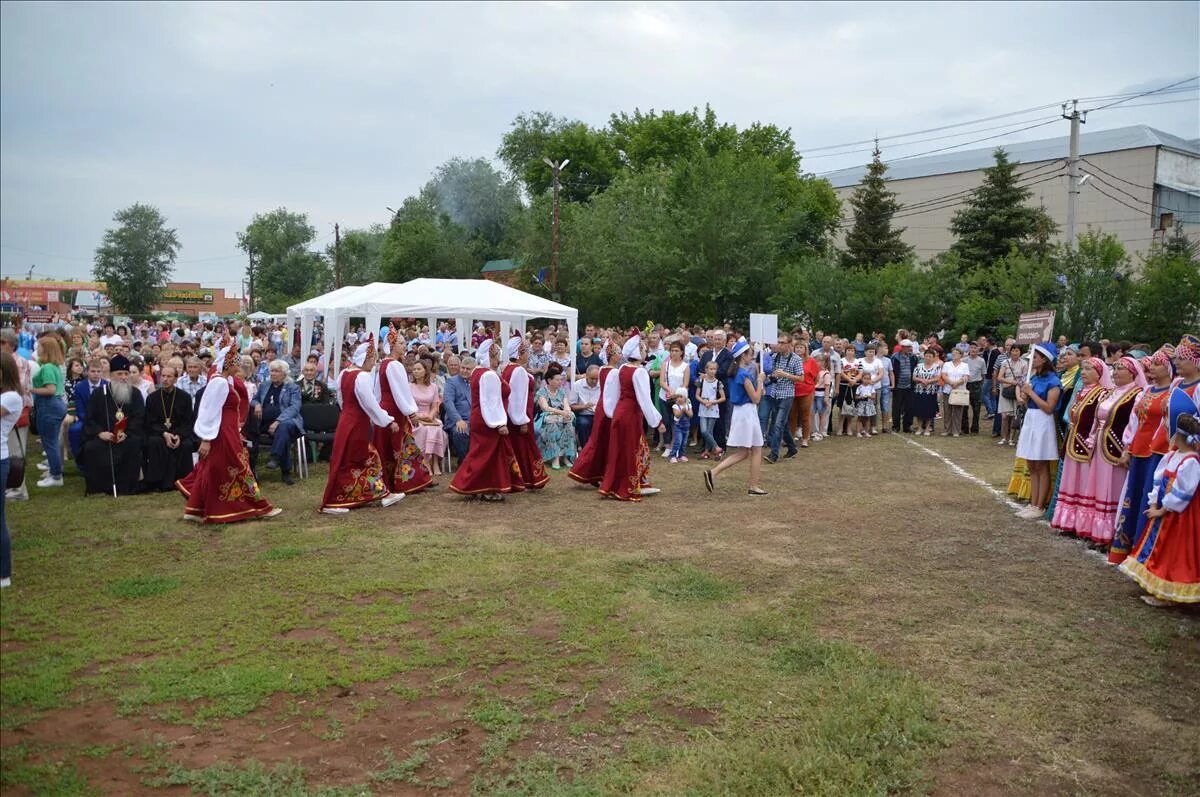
<point>136,258</point>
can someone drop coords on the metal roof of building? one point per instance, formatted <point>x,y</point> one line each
<point>1121,138</point>
<point>498,265</point>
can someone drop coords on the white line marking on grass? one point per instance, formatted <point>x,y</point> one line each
<point>999,495</point>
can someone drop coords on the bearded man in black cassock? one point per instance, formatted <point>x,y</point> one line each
<point>114,434</point>
<point>168,433</point>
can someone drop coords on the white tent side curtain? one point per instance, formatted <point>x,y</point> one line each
<point>444,299</point>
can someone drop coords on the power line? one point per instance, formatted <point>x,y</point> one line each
<point>1121,98</point>
<point>1153,205</point>
<point>922,140</point>
<point>1122,179</point>
<point>959,198</point>
<point>931,129</point>
<point>1145,93</point>
<point>1121,201</point>
<point>975,141</point>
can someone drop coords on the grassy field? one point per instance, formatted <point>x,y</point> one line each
<point>878,625</point>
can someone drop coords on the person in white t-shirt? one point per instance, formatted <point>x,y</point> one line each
<point>872,372</point>
<point>954,374</point>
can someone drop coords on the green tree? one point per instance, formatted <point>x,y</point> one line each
<point>136,258</point>
<point>1166,299</point>
<point>996,219</point>
<point>535,136</point>
<point>422,242</point>
<point>360,259</point>
<point>995,295</point>
<point>478,198</point>
<point>615,252</point>
<point>283,270</point>
<point>1097,289</point>
<point>873,242</point>
<point>729,233</point>
<point>816,290</point>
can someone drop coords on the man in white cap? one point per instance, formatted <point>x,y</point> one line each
<point>355,469</point>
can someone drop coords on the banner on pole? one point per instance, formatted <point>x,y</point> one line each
<point>764,328</point>
<point>1035,327</point>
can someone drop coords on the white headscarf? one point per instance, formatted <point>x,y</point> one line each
<point>513,347</point>
<point>481,352</point>
<point>632,350</point>
<point>365,348</point>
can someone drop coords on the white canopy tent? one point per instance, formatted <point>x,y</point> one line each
<point>463,300</point>
<point>306,311</point>
<point>261,316</point>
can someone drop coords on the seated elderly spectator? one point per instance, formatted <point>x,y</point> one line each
<point>276,407</point>
<point>313,389</point>
<point>585,395</point>
<point>456,404</point>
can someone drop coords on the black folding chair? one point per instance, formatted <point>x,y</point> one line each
<point>320,424</point>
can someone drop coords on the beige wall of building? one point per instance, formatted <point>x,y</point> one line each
<point>927,230</point>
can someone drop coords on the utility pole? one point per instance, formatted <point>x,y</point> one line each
<point>337,256</point>
<point>250,286</point>
<point>557,169</point>
<point>1076,118</point>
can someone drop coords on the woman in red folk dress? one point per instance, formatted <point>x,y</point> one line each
<point>520,415</point>
<point>589,465</point>
<point>355,470</point>
<point>490,469</point>
<point>627,401</point>
<point>221,488</point>
<point>404,468</point>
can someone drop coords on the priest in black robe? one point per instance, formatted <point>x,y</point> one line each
<point>114,433</point>
<point>169,445</point>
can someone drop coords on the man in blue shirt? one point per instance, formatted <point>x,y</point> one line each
<point>456,402</point>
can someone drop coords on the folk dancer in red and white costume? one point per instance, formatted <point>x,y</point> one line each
<point>589,465</point>
<point>628,402</point>
<point>404,468</point>
<point>520,415</point>
<point>222,488</point>
<point>490,469</point>
<point>355,470</point>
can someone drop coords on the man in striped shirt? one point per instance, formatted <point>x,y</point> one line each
<point>786,370</point>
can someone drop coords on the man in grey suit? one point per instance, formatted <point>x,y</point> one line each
<point>277,409</point>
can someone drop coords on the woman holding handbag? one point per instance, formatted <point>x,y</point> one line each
<point>954,386</point>
<point>12,404</point>
<point>1010,376</point>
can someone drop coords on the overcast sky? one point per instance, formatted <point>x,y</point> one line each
<point>213,112</point>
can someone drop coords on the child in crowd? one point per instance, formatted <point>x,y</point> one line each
<point>822,401</point>
<point>711,394</point>
<point>681,411</point>
<point>1167,562</point>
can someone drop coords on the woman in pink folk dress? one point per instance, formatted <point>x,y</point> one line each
<point>428,432</point>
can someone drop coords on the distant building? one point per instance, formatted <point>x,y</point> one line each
<point>1137,176</point>
<point>63,296</point>
<point>504,271</point>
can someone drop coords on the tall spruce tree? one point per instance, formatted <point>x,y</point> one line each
<point>873,242</point>
<point>996,219</point>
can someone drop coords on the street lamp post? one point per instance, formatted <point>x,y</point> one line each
<point>557,169</point>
